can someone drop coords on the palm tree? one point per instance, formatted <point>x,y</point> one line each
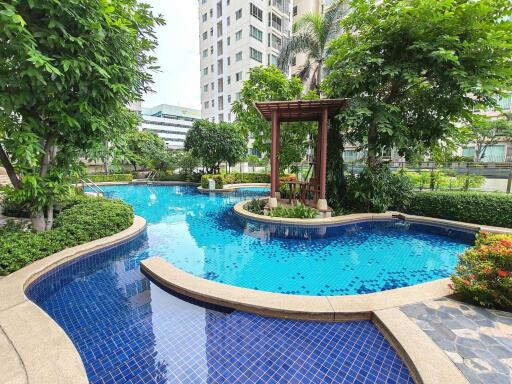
<point>311,36</point>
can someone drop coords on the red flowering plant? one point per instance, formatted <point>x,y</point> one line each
<point>484,272</point>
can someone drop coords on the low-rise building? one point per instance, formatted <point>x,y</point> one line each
<point>170,122</point>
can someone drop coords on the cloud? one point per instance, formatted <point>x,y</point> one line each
<point>178,82</point>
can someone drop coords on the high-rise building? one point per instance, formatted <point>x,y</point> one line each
<point>170,122</point>
<point>235,36</point>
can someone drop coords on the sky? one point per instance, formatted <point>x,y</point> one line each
<point>178,82</point>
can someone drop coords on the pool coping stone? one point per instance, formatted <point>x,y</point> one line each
<point>32,340</point>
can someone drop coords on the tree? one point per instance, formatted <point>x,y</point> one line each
<point>215,143</point>
<point>311,36</point>
<point>67,70</point>
<point>185,161</point>
<point>486,132</point>
<point>146,150</point>
<point>268,84</point>
<point>413,69</point>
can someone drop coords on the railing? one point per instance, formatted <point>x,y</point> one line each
<point>151,177</point>
<point>92,185</point>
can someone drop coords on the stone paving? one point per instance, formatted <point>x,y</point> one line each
<point>477,340</point>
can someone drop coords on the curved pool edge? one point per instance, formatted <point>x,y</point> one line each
<point>297,307</point>
<point>239,210</point>
<point>32,341</point>
<point>410,342</point>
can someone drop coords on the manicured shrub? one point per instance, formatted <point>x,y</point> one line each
<point>297,211</point>
<point>377,190</point>
<point>494,209</point>
<point>84,219</point>
<point>219,181</point>
<point>111,178</point>
<point>256,206</point>
<point>241,178</point>
<point>484,273</point>
<point>191,178</point>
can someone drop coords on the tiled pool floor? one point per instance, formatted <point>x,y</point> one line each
<point>129,330</point>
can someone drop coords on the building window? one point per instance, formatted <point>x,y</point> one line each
<point>256,55</point>
<point>256,33</point>
<point>229,60</point>
<point>276,42</point>
<point>239,56</point>
<point>205,88</point>
<point>220,104</point>
<point>205,71</point>
<point>206,104</point>
<point>256,12</point>
<point>229,80</point>
<point>238,35</point>
<point>205,53</point>
<point>219,9</point>
<point>211,50</point>
<point>205,35</point>
<point>212,68</point>
<point>211,31</point>
<point>212,85</point>
<point>229,99</point>
<point>276,22</point>
<point>205,17</point>
<point>211,12</point>
<point>220,85</point>
<point>219,29</point>
<point>228,21</point>
<point>229,41</point>
<point>238,96</point>
<point>239,76</point>
<point>220,50</point>
<point>221,117</point>
<point>220,67</point>
<point>213,103</point>
<point>295,11</point>
<point>238,14</point>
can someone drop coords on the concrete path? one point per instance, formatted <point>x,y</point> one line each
<point>477,340</point>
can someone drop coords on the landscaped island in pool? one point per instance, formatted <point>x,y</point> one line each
<point>201,235</point>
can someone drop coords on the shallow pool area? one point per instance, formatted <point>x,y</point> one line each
<point>201,235</point>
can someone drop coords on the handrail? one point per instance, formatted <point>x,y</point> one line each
<point>151,177</point>
<point>91,184</point>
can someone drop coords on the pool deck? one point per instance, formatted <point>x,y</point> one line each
<point>418,321</point>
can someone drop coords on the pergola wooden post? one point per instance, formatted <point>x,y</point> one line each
<point>295,111</point>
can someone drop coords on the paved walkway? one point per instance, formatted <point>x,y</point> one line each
<point>477,340</point>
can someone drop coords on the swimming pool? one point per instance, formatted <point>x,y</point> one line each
<point>201,235</point>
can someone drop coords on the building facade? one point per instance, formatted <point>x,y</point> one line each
<point>170,122</point>
<point>235,36</point>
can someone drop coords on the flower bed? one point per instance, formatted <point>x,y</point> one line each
<point>484,273</point>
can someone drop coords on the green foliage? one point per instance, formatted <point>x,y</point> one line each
<point>146,150</point>
<point>188,178</point>
<point>311,36</point>
<point>297,211</point>
<point>123,177</point>
<point>219,181</point>
<point>484,273</point>
<point>270,84</point>
<point>85,220</point>
<point>68,70</point>
<point>185,161</point>
<point>377,190</point>
<point>256,206</point>
<point>413,69</point>
<point>215,143</point>
<point>241,178</point>
<point>494,209</point>
<point>436,180</point>
<point>486,132</point>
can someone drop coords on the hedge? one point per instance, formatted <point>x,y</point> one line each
<point>240,178</point>
<point>81,221</point>
<point>191,178</point>
<point>99,178</point>
<point>219,181</point>
<point>484,273</point>
<point>494,209</point>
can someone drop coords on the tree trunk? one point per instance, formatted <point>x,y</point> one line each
<point>6,162</point>
<point>373,159</point>
<point>336,186</point>
<point>49,217</point>
<point>38,221</point>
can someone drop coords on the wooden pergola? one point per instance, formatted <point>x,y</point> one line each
<point>321,111</point>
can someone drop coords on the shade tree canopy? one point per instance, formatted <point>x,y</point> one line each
<point>215,143</point>
<point>415,69</point>
<point>67,71</point>
<point>270,84</point>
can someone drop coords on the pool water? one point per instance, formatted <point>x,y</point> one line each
<point>201,235</point>
<point>130,331</point>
